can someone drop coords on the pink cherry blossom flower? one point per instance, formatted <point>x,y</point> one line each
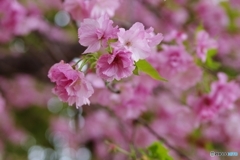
<point>117,65</point>
<point>16,87</point>
<point>131,109</point>
<point>224,93</point>
<point>203,106</point>
<point>79,9</point>
<point>97,130</point>
<point>222,96</point>
<point>187,78</point>
<point>176,65</point>
<point>138,41</point>
<point>11,13</point>
<point>204,43</point>
<point>71,85</point>
<point>174,59</point>
<point>101,7</point>
<point>178,36</point>
<point>94,33</point>
<point>213,16</point>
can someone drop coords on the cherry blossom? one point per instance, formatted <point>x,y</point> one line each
<point>71,85</point>
<point>94,33</point>
<point>204,43</point>
<point>117,65</point>
<point>138,41</point>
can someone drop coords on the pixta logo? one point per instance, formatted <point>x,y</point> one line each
<point>212,154</point>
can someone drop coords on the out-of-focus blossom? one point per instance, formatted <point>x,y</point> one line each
<point>71,85</point>
<point>101,7</point>
<point>132,101</point>
<point>31,21</point>
<point>229,50</point>
<point>97,130</point>
<point>225,93</point>
<point>17,19</point>
<point>187,78</point>
<point>102,96</point>
<point>224,129</point>
<point>179,16</point>
<point>114,131</point>
<point>176,65</point>
<point>94,33</point>
<point>204,43</point>
<point>203,106</point>
<point>174,59</point>
<point>231,127</point>
<point>222,96</point>
<point>11,14</point>
<point>64,131</point>
<point>117,65</point>
<point>178,116</point>
<point>131,109</point>
<point>96,81</point>
<point>178,36</point>
<point>8,129</point>
<point>35,94</point>
<point>234,3</point>
<point>213,16</point>
<point>140,42</point>
<point>80,9</point>
<point>138,139</point>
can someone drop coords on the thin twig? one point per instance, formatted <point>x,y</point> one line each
<point>143,122</point>
<point>110,86</point>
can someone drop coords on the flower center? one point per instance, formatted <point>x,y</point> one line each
<point>128,43</point>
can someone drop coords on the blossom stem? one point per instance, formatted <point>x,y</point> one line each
<point>111,88</point>
<point>143,122</point>
<point>119,149</point>
<point>83,64</point>
<point>73,66</point>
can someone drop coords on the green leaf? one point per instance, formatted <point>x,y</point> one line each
<point>211,52</point>
<point>147,68</point>
<point>210,62</point>
<point>200,28</point>
<point>135,71</point>
<point>232,14</point>
<point>109,49</point>
<point>158,151</point>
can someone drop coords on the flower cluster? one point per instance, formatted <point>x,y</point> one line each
<point>117,50</point>
<point>128,46</point>
<point>95,33</point>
